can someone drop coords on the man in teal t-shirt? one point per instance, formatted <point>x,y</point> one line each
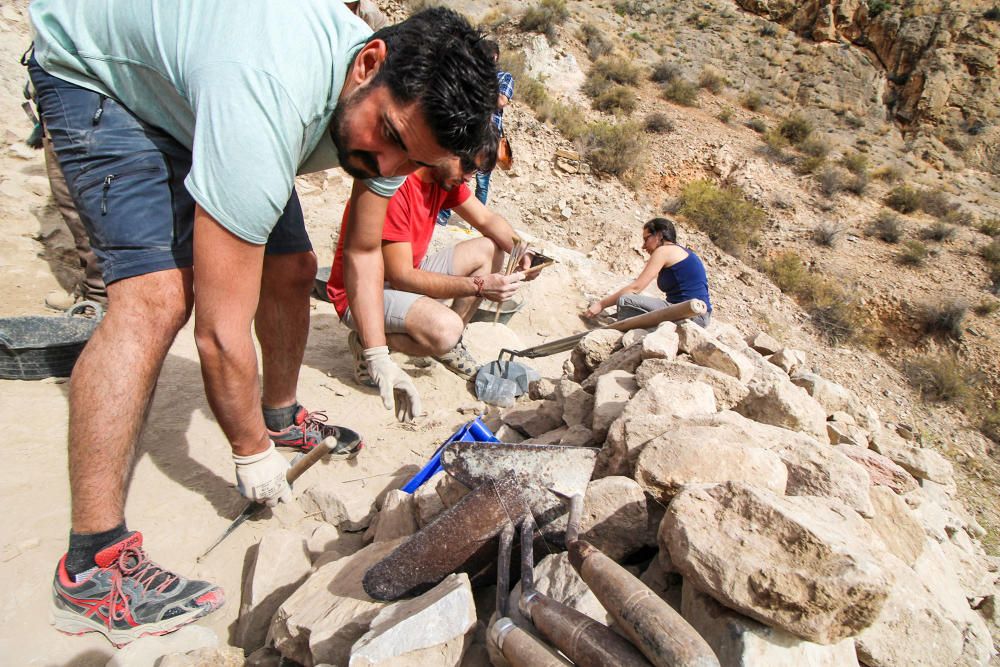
<point>180,126</point>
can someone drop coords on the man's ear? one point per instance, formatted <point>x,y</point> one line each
<point>367,62</point>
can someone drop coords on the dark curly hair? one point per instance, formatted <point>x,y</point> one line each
<point>435,58</point>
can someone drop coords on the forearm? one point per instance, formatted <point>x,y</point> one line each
<point>434,285</point>
<point>229,370</point>
<point>363,279</point>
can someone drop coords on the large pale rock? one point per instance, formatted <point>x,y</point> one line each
<point>626,438</point>
<point>281,561</point>
<point>702,455</point>
<point>614,518</point>
<point>763,343</point>
<point>926,620</point>
<point>226,656</point>
<point>661,343</point>
<point>626,359</point>
<point>634,336</point>
<point>577,404</point>
<point>728,390</point>
<point>341,505</point>
<point>427,630</point>
<point>578,436</point>
<point>788,360</point>
<point>450,490</point>
<point>842,433</point>
<point>809,566</point>
<point>671,398</point>
<point>556,578</point>
<point>397,518</point>
<point>593,349</point>
<point>427,501</point>
<point>739,641</point>
<point>780,403</point>
<point>881,469</point>
<point>726,333</point>
<point>706,351</point>
<point>533,418</point>
<point>146,651</point>
<point>895,524</point>
<point>836,398</point>
<point>920,462</point>
<point>613,392</point>
<point>330,611</point>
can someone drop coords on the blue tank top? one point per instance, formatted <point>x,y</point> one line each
<point>685,280</point>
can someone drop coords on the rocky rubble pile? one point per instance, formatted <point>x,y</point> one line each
<point>767,504</point>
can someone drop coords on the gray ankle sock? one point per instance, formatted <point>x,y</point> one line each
<point>278,419</point>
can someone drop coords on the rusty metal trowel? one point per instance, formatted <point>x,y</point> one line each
<point>463,536</point>
<point>539,470</point>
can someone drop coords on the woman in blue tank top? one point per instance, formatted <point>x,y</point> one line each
<point>678,271</point>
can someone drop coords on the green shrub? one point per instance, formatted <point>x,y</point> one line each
<point>903,198</point>
<point>838,313</point>
<point>890,173</point>
<point>757,125</point>
<point>810,165</point>
<point>992,14</point>
<point>831,180</point>
<point>545,17</point>
<point>723,213</point>
<point>990,227</point>
<point>751,100</point>
<point>990,426</point>
<point>991,253</point>
<point>681,91</point>
<point>725,115</point>
<point>827,233</point>
<point>986,307</point>
<point>795,128</point>
<point>939,231</point>
<point>711,79</point>
<point>856,163</point>
<point>815,147</point>
<point>569,119</point>
<point>665,71</point>
<point>959,215</point>
<point>615,149</point>
<point>659,123</point>
<point>939,378</point>
<point>886,226</point>
<point>789,274</point>
<point>616,99</point>
<point>857,183</point>
<point>595,40</point>
<point>876,7</point>
<point>936,203</point>
<point>775,142</point>
<point>913,253</point>
<point>618,70</point>
<point>945,319</point>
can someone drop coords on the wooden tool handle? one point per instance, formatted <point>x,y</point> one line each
<point>306,462</point>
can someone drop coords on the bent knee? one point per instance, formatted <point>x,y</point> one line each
<point>298,271</point>
<point>446,334</point>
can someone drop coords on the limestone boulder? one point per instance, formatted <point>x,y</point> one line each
<point>426,500</point>
<point>428,630</point>
<point>533,418</point>
<point>894,522</point>
<point>343,507</point>
<point>223,656</point>
<point>625,440</point>
<point>728,390</point>
<point>788,359</point>
<point>741,641</point>
<point>836,398</point>
<point>542,389</point>
<point>615,516</point>
<point>662,343</point>
<point>330,611</point>
<point>809,566</point>
<point>278,564</point>
<point>703,455</point>
<point>881,470</point>
<point>556,578</point>
<point>780,403</point>
<point>707,351</point>
<point>147,651</point>
<point>726,333</point>
<point>577,404</point>
<point>593,349</point>
<point>630,338</point>
<point>397,517</point>
<point>763,343</point>
<point>626,359</point>
<point>920,462</point>
<point>612,394</point>
<point>578,436</point>
<point>671,398</point>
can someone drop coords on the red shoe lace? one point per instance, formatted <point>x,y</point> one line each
<point>315,421</point>
<point>143,571</point>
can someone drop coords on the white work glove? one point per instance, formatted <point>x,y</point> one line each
<point>397,389</point>
<point>261,477</point>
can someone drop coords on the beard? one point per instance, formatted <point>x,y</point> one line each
<point>357,163</point>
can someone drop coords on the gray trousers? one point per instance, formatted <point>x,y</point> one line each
<point>631,305</point>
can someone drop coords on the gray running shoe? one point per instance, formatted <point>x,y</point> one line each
<point>459,361</point>
<point>127,596</point>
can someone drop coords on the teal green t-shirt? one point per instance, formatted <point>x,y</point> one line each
<point>249,86</point>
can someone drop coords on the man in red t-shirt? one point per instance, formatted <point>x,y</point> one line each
<point>417,322</point>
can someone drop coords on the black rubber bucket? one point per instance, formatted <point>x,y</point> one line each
<point>37,347</point>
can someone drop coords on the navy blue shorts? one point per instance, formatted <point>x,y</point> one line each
<point>127,180</point>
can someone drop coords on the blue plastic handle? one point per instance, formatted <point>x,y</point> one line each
<point>473,431</point>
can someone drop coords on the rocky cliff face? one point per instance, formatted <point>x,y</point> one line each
<point>940,61</point>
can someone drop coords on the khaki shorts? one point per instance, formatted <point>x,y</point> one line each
<point>398,303</point>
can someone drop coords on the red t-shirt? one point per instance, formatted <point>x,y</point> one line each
<point>411,217</point>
